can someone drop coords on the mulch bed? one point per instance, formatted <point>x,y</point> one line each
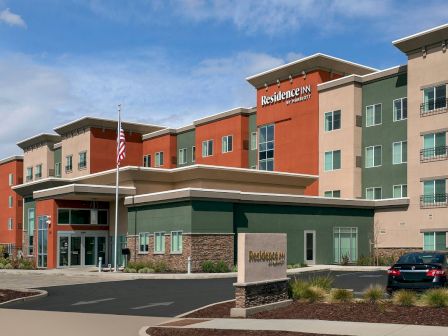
<point>8,294</point>
<point>155,331</point>
<point>353,312</point>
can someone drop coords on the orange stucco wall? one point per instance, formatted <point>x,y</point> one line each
<point>13,236</point>
<point>238,127</point>
<point>165,143</point>
<point>103,149</point>
<point>296,126</point>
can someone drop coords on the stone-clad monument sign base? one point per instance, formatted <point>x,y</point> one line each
<point>262,283</point>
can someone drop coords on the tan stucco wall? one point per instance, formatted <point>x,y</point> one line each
<point>403,228</point>
<point>41,155</point>
<point>73,145</point>
<point>348,99</point>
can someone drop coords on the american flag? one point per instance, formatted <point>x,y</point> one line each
<point>121,148</point>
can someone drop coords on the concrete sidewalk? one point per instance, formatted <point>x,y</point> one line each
<point>322,327</point>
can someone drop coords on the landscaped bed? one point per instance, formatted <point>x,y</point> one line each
<point>314,299</point>
<point>155,331</point>
<point>8,294</point>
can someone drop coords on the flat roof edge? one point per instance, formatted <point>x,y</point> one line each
<point>11,159</point>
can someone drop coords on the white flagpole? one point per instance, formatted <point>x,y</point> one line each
<point>116,191</point>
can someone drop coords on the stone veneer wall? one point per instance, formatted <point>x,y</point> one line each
<point>200,247</point>
<point>261,294</point>
<point>394,252</point>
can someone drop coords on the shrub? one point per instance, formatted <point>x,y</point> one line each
<point>209,266</point>
<point>8,266</point>
<point>365,261</point>
<point>130,270</point>
<point>298,288</point>
<point>159,267</point>
<point>404,298</point>
<point>435,297</point>
<point>235,268</point>
<point>221,267</point>
<point>145,270</point>
<point>138,265</point>
<point>27,264</point>
<point>314,293</point>
<point>374,293</point>
<point>345,260</point>
<point>324,282</point>
<point>341,295</point>
<point>2,266</point>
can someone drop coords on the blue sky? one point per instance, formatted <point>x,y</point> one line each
<point>170,62</point>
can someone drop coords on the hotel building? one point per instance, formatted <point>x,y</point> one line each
<point>344,158</point>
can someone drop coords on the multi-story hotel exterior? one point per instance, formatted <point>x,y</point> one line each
<point>342,157</point>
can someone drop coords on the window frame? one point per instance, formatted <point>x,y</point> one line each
<point>206,148</point>
<point>266,161</point>
<point>401,149</point>
<point>86,209</point>
<point>82,167</point>
<point>253,140</point>
<point>373,159</point>
<point>69,163</point>
<point>10,179</point>
<point>29,174</point>
<point>193,153</point>
<point>57,169</point>
<point>401,190</point>
<point>38,171</point>
<point>402,99</point>
<point>332,192</point>
<point>10,224</point>
<point>160,234</point>
<point>147,236</point>
<point>180,251</point>
<point>373,189</point>
<point>332,160</point>
<point>159,159</point>
<point>426,104</point>
<point>381,114</point>
<point>225,144</point>
<point>354,233</point>
<point>182,154</point>
<point>147,161</point>
<point>332,113</point>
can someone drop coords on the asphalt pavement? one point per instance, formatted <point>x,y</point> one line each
<point>163,298</point>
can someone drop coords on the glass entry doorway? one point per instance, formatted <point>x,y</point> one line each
<point>81,249</point>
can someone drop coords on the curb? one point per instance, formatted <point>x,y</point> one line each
<point>204,307</point>
<point>40,294</point>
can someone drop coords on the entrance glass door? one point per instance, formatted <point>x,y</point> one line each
<point>101,249</point>
<point>89,254</point>
<point>42,240</point>
<point>63,251</point>
<point>75,251</point>
<point>310,247</point>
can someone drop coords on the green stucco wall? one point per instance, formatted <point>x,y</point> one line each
<point>384,91</point>
<point>202,216</point>
<point>252,128</point>
<point>186,140</point>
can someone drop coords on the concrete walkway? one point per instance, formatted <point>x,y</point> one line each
<point>323,327</point>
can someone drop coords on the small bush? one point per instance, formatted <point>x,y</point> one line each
<point>27,264</point>
<point>324,282</point>
<point>341,295</point>
<point>365,261</point>
<point>435,297</point>
<point>235,268</point>
<point>298,288</point>
<point>374,294</point>
<point>221,267</point>
<point>159,267</point>
<point>314,294</point>
<point>404,298</point>
<point>130,270</point>
<point>8,266</point>
<point>145,270</point>
<point>138,265</point>
<point>209,266</point>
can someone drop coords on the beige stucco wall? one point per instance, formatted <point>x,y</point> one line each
<point>348,99</point>
<point>402,229</point>
<point>41,155</point>
<point>73,145</point>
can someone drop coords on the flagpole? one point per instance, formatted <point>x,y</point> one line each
<point>116,190</point>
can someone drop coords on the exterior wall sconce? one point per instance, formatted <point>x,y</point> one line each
<point>444,46</point>
<point>290,79</point>
<point>278,83</point>
<point>304,74</point>
<point>424,52</point>
<point>266,87</point>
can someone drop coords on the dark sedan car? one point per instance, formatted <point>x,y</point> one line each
<point>418,271</point>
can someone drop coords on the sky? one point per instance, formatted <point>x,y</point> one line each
<point>169,62</point>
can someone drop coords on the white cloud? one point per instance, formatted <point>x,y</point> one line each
<point>153,88</point>
<point>11,18</point>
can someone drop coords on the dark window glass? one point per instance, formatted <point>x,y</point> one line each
<point>421,258</point>
<point>63,216</point>
<point>102,217</point>
<point>80,217</point>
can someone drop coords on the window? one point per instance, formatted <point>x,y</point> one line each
<point>434,192</point>
<point>399,152</point>
<point>433,241</point>
<point>332,120</point>
<point>345,243</point>
<point>80,216</point>
<point>82,160</point>
<point>373,115</point>
<point>147,161</point>
<point>400,190</point>
<point>10,224</point>
<point>143,242</point>
<point>253,141</point>
<point>57,169</point>
<point>159,242</point>
<point>332,160</point>
<point>10,202</point>
<point>68,163</point>
<point>374,193</point>
<point>38,174</point>
<point>434,146</point>
<point>266,148</point>
<point>227,143</point>
<point>159,159</point>
<point>176,242</point>
<point>434,98</point>
<point>29,174</point>
<point>83,216</point>
<point>207,148</point>
<point>11,179</point>
<point>31,226</point>
<point>333,193</point>
<point>193,154</point>
<point>182,156</point>
<point>373,156</point>
<point>400,109</point>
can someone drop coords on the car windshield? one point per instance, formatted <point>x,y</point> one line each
<point>421,258</point>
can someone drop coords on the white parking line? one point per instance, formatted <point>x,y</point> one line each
<point>154,305</point>
<point>82,303</point>
<point>370,276</point>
